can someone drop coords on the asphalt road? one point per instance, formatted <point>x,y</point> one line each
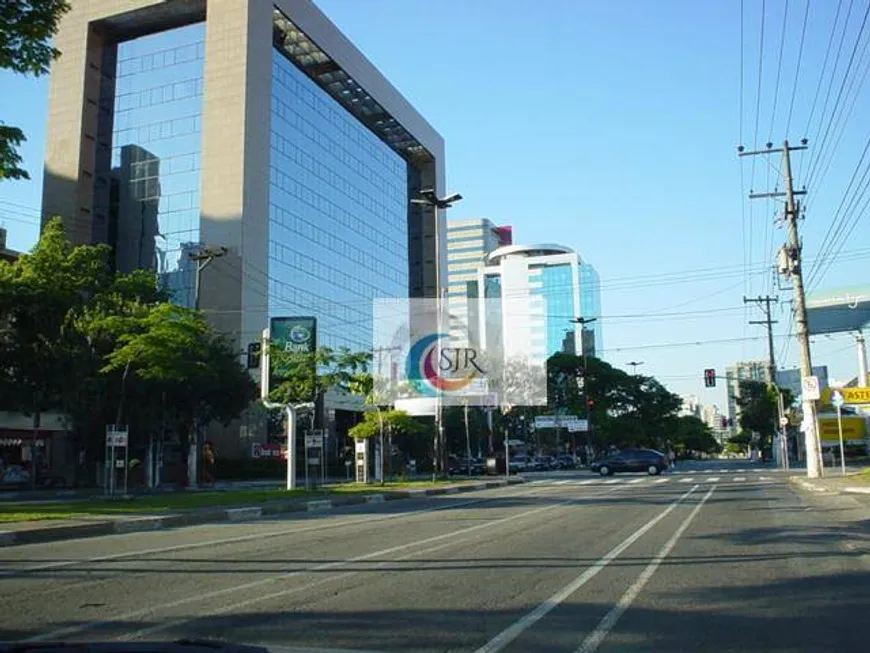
<point>710,558</point>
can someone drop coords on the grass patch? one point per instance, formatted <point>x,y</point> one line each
<point>182,501</point>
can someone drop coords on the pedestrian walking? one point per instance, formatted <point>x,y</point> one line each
<point>672,456</point>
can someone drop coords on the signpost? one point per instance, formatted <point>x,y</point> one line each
<point>362,463</point>
<point>314,457</point>
<point>810,388</point>
<point>837,401</point>
<point>117,437</point>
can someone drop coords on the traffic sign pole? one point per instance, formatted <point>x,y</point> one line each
<point>837,399</point>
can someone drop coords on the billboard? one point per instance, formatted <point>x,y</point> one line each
<point>293,340</point>
<point>837,311</point>
<point>420,351</point>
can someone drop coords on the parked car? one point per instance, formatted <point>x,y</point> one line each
<point>518,464</point>
<point>564,462</point>
<point>631,460</point>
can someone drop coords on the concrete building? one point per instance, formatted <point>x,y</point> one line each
<point>540,288</point>
<point>8,255</point>
<point>691,406</point>
<point>468,244</point>
<point>791,379</point>
<point>755,370</point>
<point>256,126</point>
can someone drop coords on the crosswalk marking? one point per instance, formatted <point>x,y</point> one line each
<point>688,479</point>
<point>738,479</point>
<point>713,479</point>
<point>610,482</point>
<point>661,480</point>
<point>641,481</point>
<point>637,480</point>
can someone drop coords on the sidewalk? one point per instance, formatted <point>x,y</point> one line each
<point>13,533</point>
<point>855,482</point>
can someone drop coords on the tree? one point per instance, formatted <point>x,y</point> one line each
<point>759,412</point>
<point>105,348</point>
<point>25,47</point>
<point>740,442</point>
<point>377,422</point>
<point>688,435</point>
<point>625,410</point>
<point>306,377</point>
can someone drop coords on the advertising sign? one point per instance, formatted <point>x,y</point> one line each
<point>854,430</point>
<point>289,336</point>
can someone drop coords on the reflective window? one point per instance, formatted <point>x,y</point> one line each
<point>338,230</point>
<point>156,147</point>
<point>558,292</point>
<point>590,302</point>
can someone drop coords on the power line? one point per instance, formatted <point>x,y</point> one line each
<point>822,145</point>
<point>778,69</point>
<point>822,73</point>
<point>837,220</point>
<point>797,68</point>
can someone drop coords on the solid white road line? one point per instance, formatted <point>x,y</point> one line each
<point>136,614</point>
<point>247,538</point>
<point>594,639</point>
<point>525,622</point>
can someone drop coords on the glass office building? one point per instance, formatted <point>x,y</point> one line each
<point>154,216</point>
<point>541,288</point>
<point>338,203</point>
<point>255,129</point>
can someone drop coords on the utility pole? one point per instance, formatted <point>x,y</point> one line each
<point>768,321</point>
<point>793,269</point>
<point>202,258</point>
<point>765,303</point>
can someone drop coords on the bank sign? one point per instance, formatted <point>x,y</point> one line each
<point>290,335</point>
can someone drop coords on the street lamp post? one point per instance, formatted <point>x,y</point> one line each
<point>428,197</point>
<point>202,258</point>
<point>634,365</point>
<point>582,321</point>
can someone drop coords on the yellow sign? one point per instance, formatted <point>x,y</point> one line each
<point>851,396</point>
<point>853,429</point>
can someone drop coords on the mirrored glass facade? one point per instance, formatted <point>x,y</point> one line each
<point>557,289</point>
<point>590,306</point>
<point>338,206</point>
<point>156,145</point>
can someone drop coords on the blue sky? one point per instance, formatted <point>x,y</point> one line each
<point>612,128</point>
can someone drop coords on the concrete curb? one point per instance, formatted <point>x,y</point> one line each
<point>218,515</point>
<point>820,489</point>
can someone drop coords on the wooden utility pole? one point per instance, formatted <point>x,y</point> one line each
<point>794,271</point>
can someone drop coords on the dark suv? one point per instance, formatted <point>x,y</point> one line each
<point>632,460</point>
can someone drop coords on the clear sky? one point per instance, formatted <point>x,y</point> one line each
<point>612,127</point>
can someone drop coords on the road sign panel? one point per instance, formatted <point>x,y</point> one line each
<point>810,388</point>
<point>856,395</point>
<point>313,440</point>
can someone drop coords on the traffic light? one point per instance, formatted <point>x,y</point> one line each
<point>254,349</point>
<point>710,378</point>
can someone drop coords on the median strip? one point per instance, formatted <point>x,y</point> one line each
<point>105,517</point>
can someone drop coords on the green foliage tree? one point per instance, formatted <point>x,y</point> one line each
<point>26,30</point>
<point>381,423</point>
<point>625,410</point>
<point>79,339</point>
<point>759,412</point>
<point>306,377</point>
<point>739,443</point>
<point>688,435</point>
